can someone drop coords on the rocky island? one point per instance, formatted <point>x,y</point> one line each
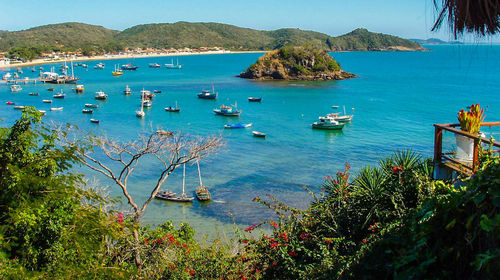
<point>296,63</point>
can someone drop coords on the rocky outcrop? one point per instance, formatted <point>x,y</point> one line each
<point>296,63</point>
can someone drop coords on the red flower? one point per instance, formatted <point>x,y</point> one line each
<point>146,240</point>
<point>293,254</point>
<point>245,241</point>
<point>364,240</point>
<point>191,272</point>
<point>274,224</point>
<point>304,236</point>
<point>250,228</point>
<point>373,230</point>
<point>274,263</point>
<point>185,246</point>
<point>329,240</point>
<point>171,239</point>
<point>257,271</point>
<point>119,218</point>
<point>274,245</point>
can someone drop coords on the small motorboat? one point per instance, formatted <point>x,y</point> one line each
<point>173,109</point>
<point>335,107</point>
<point>157,91</point>
<point>88,105</point>
<point>94,121</point>
<point>15,88</point>
<point>85,65</point>
<point>10,103</point>
<point>18,107</point>
<point>206,94</point>
<point>127,91</point>
<point>60,95</point>
<point>237,125</point>
<point>255,99</point>
<point>99,65</point>
<point>50,89</point>
<point>56,108</point>
<point>33,93</point>
<point>47,101</point>
<point>129,66</point>
<point>154,65</point>
<point>228,111</point>
<point>43,112</point>
<point>327,123</point>
<point>147,103</point>
<point>87,111</point>
<point>100,95</point>
<point>258,134</point>
<point>79,89</point>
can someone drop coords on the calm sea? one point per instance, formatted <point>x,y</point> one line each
<point>395,99</point>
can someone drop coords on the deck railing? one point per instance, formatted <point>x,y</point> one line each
<point>448,159</point>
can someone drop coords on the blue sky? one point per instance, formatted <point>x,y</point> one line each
<point>404,18</point>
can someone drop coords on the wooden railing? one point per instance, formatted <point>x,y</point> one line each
<point>455,163</point>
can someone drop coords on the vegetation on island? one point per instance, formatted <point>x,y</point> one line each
<point>296,63</point>
<point>93,39</point>
<point>388,221</point>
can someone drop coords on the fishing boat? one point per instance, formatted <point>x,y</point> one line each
<point>154,65</point>
<point>127,91</point>
<point>94,121</point>
<point>165,194</point>
<point>237,125</point>
<point>157,91</point>
<point>79,89</point>
<point>33,93</point>
<point>99,65</point>
<point>202,193</point>
<point>141,114</point>
<point>327,123</point>
<point>56,108</point>
<point>117,71</point>
<point>255,99</point>
<point>10,103</point>
<point>100,95</point>
<point>172,196</point>
<point>15,88</point>
<point>147,94</point>
<point>341,118</point>
<point>47,101</point>
<point>228,111</point>
<point>206,94</point>
<point>129,66</point>
<point>172,65</point>
<point>87,111</point>
<point>89,105</point>
<point>59,95</point>
<point>173,109</point>
<point>147,103</point>
<point>258,134</point>
<point>18,107</point>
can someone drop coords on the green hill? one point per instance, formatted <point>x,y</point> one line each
<point>194,35</point>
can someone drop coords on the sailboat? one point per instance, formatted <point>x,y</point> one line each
<point>173,109</point>
<point>172,196</point>
<point>202,193</point>
<point>141,114</point>
<point>172,65</point>
<point>118,71</point>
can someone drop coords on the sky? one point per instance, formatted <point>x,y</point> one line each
<point>403,18</point>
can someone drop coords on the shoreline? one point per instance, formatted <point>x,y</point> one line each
<point>43,61</point>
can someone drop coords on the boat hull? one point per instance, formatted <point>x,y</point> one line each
<point>327,126</point>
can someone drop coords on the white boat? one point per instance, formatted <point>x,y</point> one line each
<point>147,103</point>
<point>56,108</point>
<point>327,123</point>
<point>15,88</point>
<point>99,65</point>
<point>100,95</point>
<point>18,107</point>
<point>127,91</point>
<point>59,95</point>
<point>87,111</point>
<point>6,76</point>
<point>173,197</point>
<point>33,93</point>
<point>258,134</point>
<point>47,101</point>
<point>89,105</point>
<point>43,112</point>
<point>141,114</point>
<point>172,65</point>
<point>337,117</point>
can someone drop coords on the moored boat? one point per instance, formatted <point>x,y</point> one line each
<point>18,107</point>
<point>172,65</point>
<point>33,93</point>
<point>258,134</point>
<point>227,111</point>
<point>79,89</point>
<point>47,101</point>
<point>202,193</point>
<point>100,95</point>
<point>172,196</point>
<point>15,88</point>
<point>59,95</point>
<point>206,94</point>
<point>127,91</point>
<point>254,99</point>
<point>56,108</point>
<point>87,111</point>
<point>157,91</point>
<point>43,112</point>
<point>10,103</point>
<point>140,113</point>
<point>94,121</point>
<point>173,109</point>
<point>50,89</point>
<point>237,125</point>
<point>327,123</point>
<point>99,65</point>
<point>154,65</point>
<point>117,71</point>
<point>129,66</point>
<point>89,105</point>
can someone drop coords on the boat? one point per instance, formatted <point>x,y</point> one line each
<point>164,132</point>
<point>335,107</point>
<point>6,76</point>
<point>16,75</point>
<point>237,125</point>
<point>88,105</point>
<point>228,111</point>
<point>202,193</point>
<point>147,94</point>
<point>94,121</point>
<point>254,99</point>
<point>100,95</point>
<point>172,196</point>
<point>341,118</point>
<point>47,101</point>
<point>127,91</point>
<point>157,91</point>
<point>10,103</point>
<point>147,103</point>
<point>129,66</point>
<point>18,107</point>
<point>85,65</point>
<point>206,94</point>
<point>172,65</point>
<point>33,69</point>
<point>141,114</point>
<point>87,111</point>
<point>154,65</point>
<point>15,88</point>
<point>50,89</point>
<point>165,194</point>
<point>117,71</point>
<point>327,123</point>
<point>258,134</point>
<point>79,89</point>
<point>43,112</point>
<point>56,108</point>
<point>54,78</point>
<point>99,65</point>
<point>33,93</point>
<point>59,95</point>
<point>173,109</point>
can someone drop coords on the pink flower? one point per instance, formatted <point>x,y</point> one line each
<point>119,217</point>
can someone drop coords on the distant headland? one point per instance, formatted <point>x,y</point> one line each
<point>296,63</point>
<point>90,40</point>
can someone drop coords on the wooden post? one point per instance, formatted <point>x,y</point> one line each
<point>475,157</point>
<point>438,143</point>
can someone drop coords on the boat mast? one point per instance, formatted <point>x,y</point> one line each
<point>183,178</point>
<point>344,110</point>
<point>72,73</point>
<point>199,172</point>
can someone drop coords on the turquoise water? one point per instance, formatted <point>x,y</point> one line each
<point>396,99</point>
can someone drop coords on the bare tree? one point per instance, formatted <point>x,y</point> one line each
<point>171,150</point>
